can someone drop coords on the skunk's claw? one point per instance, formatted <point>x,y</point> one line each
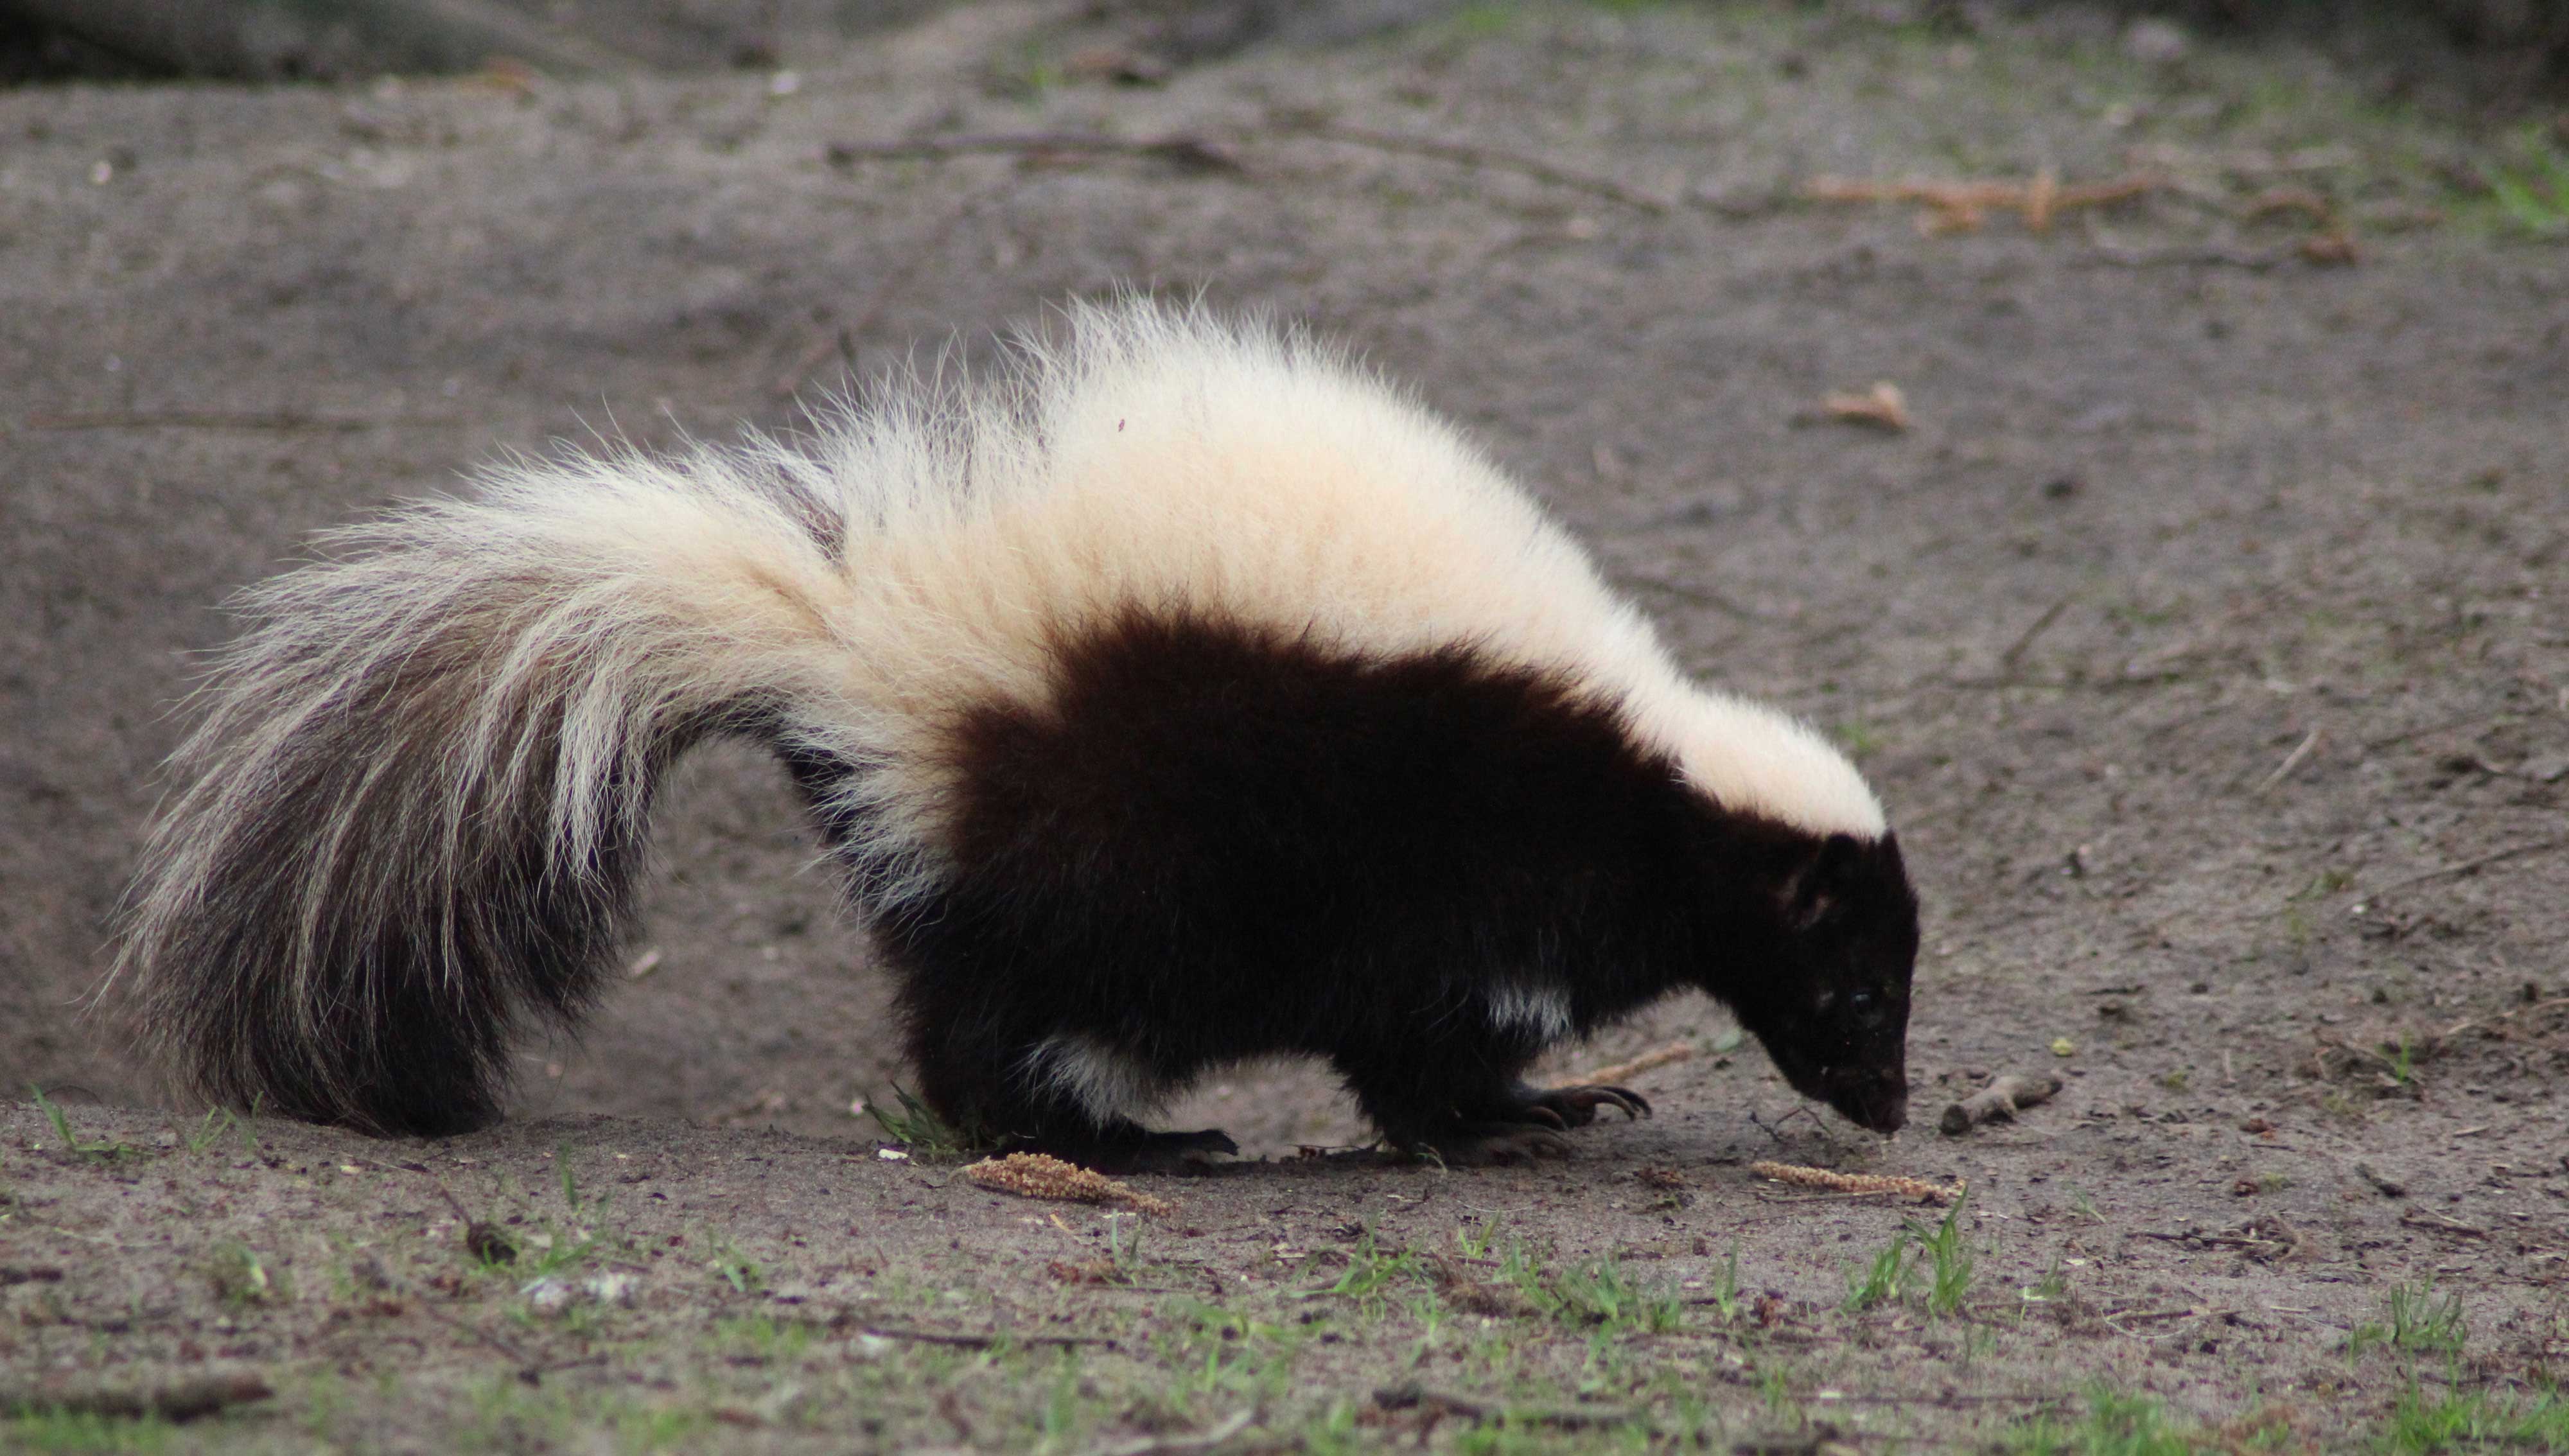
<point>1571,1107</point>
<point>1477,1143</point>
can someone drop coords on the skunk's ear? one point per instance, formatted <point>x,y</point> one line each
<point>1814,887</point>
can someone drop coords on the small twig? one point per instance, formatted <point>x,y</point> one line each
<point>1881,407</point>
<point>2474,1022</point>
<point>1657,1056</point>
<point>978,1341</point>
<point>1775,1129</point>
<point>1492,158</point>
<point>1946,1397</point>
<point>1414,1396</point>
<point>1187,148</point>
<point>2001,1099</point>
<point>185,1400</point>
<point>2156,1314</point>
<point>2437,1223</point>
<point>1212,1437</point>
<point>2027,638</point>
<point>2291,761</point>
<point>2122,254</point>
<point>2466,867</point>
<point>2374,745</point>
<point>2297,1244</point>
<point>528,1370</point>
<point>1958,207</point>
<point>2231,1241</point>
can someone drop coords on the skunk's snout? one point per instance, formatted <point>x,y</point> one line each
<point>1879,1104</point>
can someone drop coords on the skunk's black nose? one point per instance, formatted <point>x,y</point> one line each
<point>1881,1107</point>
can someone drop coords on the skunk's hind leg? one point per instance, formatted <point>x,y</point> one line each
<point>1066,1094</point>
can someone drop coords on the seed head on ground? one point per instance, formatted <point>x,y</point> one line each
<point>1040,1175</point>
<point>1833,1182</point>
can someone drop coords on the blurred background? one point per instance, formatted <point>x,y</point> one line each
<point>2512,48</point>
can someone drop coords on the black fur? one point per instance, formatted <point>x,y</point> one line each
<point>1218,843</point>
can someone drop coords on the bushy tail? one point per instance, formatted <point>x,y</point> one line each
<point>414,809</point>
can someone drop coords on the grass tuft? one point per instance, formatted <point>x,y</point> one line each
<point>2475,1420</point>
<point>917,1127</point>
<point>2416,1324</point>
<point>73,1141</point>
<point>1886,1279</point>
<point>1949,1260</point>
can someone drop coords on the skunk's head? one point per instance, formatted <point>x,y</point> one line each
<point>1833,1009</point>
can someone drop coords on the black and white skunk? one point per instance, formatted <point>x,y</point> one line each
<point>1183,696</point>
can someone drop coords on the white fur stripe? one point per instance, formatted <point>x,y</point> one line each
<point>1103,1082</point>
<point>1160,459</point>
<point>1541,1010</point>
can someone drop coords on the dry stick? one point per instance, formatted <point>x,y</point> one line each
<point>2296,1243</point>
<point>1962,202</point>
<point>2437,1223</point>
<point>2227,1240</point>
<point>1657,1056</point>
<point>2028,637</point>
<point>2469,1024</point>
<point>530,1371</point>
<point>1215,1435</point>
<point>1467,155</point>
<point>978,1341</point>
<point>1414,1396</point>
<point>1950,1397</point>
<point>477,1236</point>
<point>2291,761</point>
<point>1187,148</point>
<point>2468,866</point>
<point>2001,1099</point>
<point>2374,745</point>
<point>1206,154</point>
<point>182,1401</point>
<point>2122,254</point>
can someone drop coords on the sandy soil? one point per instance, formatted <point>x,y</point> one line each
<point>2204,630</point>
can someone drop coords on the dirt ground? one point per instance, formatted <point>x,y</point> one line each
<point>2204,630</point>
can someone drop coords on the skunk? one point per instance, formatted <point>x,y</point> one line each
<point>1181,694</point>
